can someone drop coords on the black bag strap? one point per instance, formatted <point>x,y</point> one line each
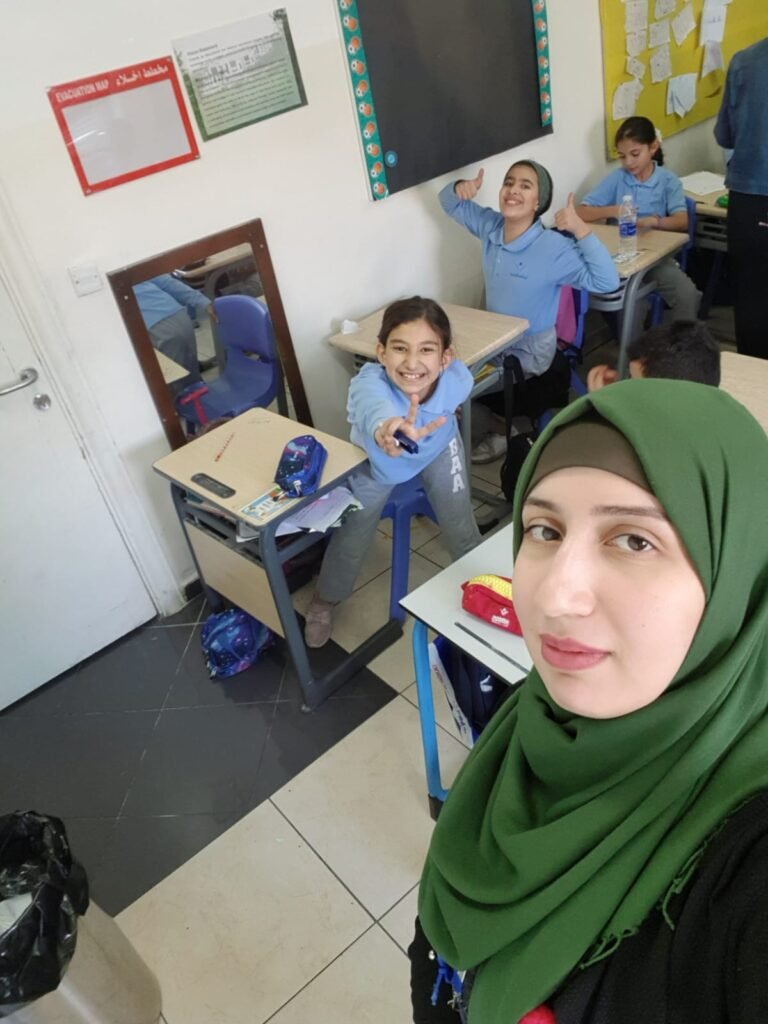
<point>513,377</point>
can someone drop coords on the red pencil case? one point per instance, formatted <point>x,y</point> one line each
<point>489,597</point>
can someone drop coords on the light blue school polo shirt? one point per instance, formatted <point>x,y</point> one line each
<point>661,195</point>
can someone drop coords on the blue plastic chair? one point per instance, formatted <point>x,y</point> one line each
<point>572,350</point>
<point>407,500</point>
<point>657,303</point>
<point>244,329</point>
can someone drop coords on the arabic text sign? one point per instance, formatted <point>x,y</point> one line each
<point>124,123</point>
<point>241,73</point>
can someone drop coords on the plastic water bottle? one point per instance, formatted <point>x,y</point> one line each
<point>627,228</point>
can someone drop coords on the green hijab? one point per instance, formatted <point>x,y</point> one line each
<point>561,833</point>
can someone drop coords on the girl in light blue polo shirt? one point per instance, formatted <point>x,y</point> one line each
<point>658,196</point>
<point>525,266</point>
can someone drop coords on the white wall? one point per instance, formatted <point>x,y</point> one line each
<point>336,254</point>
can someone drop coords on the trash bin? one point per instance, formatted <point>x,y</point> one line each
<point>62,959</point>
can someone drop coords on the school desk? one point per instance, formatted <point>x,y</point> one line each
<point>711,233</point>
<point>243,454</point>
<point>477,337</point>
<point>436,605</point>
<point>746,379</point>
<point>170,369</point>
<point>237,261</point>
<point>653,246</point>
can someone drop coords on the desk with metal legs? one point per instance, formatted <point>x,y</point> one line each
<point>243,454</point>
<point>653,246</point>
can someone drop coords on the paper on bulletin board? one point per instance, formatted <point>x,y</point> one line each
<point>629,27</point>
<point>123,124</point>
<point>239,74</point>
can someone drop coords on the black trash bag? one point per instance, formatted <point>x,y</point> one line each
<point>36,950</point>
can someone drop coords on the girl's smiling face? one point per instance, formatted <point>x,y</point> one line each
<point>414,357</point>
<point>519,194</point>
<point>637,157</point>
<point>607,597</point>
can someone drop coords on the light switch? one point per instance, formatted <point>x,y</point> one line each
<point>86,279</point>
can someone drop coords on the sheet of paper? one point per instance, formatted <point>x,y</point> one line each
<point>658,34</point>
<point>635,15</point>
<point>684,24</point>
<point>703,182</point>
<point>661,64</point>
<point>713,58</point>
<point>636,42</point>
<point>625,100</point>
<point>635,67</point>
<point>664,8</point>
<point>322,514</point>
<point>712,22</point>
<point>681,94</point>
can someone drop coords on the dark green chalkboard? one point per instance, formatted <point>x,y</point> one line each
<point>444,83</point>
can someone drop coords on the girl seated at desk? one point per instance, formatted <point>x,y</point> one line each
<point>525,266</point>
<point>414,389</point>
<point>603,854</point>
<point>660,203</point>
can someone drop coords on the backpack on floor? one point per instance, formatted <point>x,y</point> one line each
<point>233,641</point>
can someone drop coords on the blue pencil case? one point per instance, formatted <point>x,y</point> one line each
<point>301,466</point>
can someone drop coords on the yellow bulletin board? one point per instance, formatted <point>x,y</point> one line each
<point>746,22</point>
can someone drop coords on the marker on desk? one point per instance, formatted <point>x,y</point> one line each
<point>223,448</point>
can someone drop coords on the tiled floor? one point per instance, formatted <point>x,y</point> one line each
<point>264,861</point>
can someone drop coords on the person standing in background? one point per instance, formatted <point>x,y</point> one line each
<point>742,125</point>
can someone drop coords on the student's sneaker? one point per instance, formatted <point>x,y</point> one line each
<point>318,624</point>
<point>492,447</point>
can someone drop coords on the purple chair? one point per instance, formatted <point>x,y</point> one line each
<point>252,375</point>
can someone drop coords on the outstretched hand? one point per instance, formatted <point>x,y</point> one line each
<point>385,433</point>
<point>568,220</point>
<point>468,188</point>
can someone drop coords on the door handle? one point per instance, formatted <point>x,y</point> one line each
<point>26,377</point>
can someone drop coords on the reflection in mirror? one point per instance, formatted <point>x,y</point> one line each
<point>209,329</point>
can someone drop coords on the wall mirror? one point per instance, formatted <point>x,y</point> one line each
<point>169,306</point>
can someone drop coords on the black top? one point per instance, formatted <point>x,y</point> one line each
<point>711,969</point>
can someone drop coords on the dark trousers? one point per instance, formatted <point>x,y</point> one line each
<point>748,258</point>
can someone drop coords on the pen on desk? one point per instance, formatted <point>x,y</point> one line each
<point>223,448</point>
<point>490,647</point>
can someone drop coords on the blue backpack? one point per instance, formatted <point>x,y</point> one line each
<point>233,641</point>
<point>301,466</point>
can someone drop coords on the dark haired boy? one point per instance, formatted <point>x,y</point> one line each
<point>683,350</point>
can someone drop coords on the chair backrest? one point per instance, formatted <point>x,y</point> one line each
<point>571,314</point>
<point>243,323</point>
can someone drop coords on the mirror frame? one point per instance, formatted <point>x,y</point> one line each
<point>122,281</point>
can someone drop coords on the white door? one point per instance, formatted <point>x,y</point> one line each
<point>68,586</point>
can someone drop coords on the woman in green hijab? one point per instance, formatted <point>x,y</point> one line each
<point>603,855</point>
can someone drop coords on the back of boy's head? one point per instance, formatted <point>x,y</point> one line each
<point>640,129</point>
<point>404,311</point>
<point>685,350</point>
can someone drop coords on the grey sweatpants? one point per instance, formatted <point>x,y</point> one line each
<point>680,294</point>
<point>447,484</point>
<point>175,337</point>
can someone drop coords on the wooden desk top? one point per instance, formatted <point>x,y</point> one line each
<point>653,246</point>
<point>171,370</point>
<point>237,254</point>
<point>249,461</point>
<point>477,335</point>
<point>705,205</point>
<point>438,603</point>
<point>746,379</point>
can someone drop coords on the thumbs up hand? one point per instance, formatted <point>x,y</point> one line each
<point>568,220</point>
<point>468,188</point>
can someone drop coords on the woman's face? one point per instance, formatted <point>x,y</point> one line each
<point>607,597</point>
